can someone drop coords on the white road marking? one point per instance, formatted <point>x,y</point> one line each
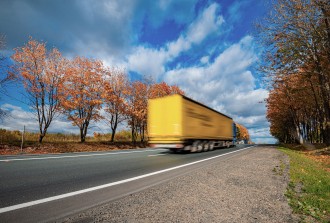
<point>76,156</point>
<point>31,203</point>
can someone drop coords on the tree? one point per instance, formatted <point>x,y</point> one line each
<point>297,39</point>
<point>136,111</point>
<point>293,111</point>
<point>42,75</point>
<point>242,132</point>
<point>80,95</point>
<point>116,90</point>
<point>162,89</point>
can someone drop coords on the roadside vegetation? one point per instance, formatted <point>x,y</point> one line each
<point>296,41</point>
<point>309,187</point>
<point>10,142</point>
<point>84,90</point>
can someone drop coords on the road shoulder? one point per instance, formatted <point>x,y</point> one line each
<point>247,187</point>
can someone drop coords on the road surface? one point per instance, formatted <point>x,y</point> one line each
<point>48,187</point>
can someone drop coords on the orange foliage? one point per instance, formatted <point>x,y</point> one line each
<point>242,132</point>
<point>293,109</point>
<point>296,56</point>
<point>79,87</point>
<point>80,96</point>
<point>42,75</point>
<point>162,89</point>
<point>116,88</point>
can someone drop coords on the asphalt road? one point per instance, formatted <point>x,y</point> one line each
<point>47,187</point>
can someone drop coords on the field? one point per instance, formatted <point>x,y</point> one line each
<point>10,143</point>
<point>309,188</point>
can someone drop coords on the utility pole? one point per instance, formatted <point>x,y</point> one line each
<point>22,139</point>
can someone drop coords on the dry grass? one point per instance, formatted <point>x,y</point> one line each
<point>10,143</point>
<point>68,147</point>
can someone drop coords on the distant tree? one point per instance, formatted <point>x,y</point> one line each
<point>115,92</point>
<point>162,89</point>
<point>242,132</point>
<point>176,90</point>
<point>42,75</point>
<point>159,90</point>
<point>80,95</point>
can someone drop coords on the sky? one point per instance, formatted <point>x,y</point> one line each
<point>208,48</point>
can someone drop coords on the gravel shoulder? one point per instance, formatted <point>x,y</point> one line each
<point>247,187</point>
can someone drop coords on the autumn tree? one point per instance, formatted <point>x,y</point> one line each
<point>115,93</point>
<point>293,112</point>
<point>296,36</point>
<point>162,89</point>
<point>242,132</point>
<point>42,74</point>
<point>136,111</point>
<point>80,95</point>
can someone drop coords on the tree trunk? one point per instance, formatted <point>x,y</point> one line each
<point>113,132</point>
<point>133,132</point>
<point>113,135</point>
<point>326,134</point>
<point>82,136</point>
<point>41,136</point>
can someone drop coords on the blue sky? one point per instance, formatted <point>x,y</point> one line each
<point>207,48</point>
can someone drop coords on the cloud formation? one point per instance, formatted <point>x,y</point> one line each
<point>206,54</point>
<point>152,62</point>
<point>17,118</point>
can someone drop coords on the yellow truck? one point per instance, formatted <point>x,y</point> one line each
<point>180,123</point>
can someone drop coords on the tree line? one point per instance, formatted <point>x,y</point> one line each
<point>296,60</point>
<point>84,90</point>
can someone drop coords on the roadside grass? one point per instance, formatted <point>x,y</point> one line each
<point>10,142</point>
<point>14,138</point>
<point>309,188</point>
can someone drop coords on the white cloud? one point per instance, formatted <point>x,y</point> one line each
<point>17,118</point>
<point>227,74</point>
<point>205,24</point>
<point>261,135</point>
<point>205,59</point>
<point>150,61</point>
<point>227,84</point>
<point>147,61</point>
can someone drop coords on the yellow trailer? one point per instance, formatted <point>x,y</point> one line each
<point>180,123</point>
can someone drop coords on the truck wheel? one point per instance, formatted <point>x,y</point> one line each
<point>200,147</point>
<point>206,146</point>
<point>211,147</point>
<point>194,147</point>
<point>187,149</point>
<point>173,150</point>
<point>197,146</point>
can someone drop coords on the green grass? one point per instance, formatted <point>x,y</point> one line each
<point>309,187</point>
